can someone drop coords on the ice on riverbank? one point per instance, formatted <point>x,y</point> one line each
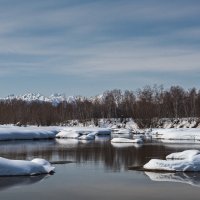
<point>24,168</point>
<point>176,134</point>
<point>82,133</point>
<point>188,160</point>
<point>10,132</point>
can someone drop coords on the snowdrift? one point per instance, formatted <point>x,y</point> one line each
<point>188,160</point>
<point>24,168</point>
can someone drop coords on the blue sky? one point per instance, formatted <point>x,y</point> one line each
<point>88,46</point>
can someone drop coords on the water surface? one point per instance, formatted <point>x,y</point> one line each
<point>98,170</point>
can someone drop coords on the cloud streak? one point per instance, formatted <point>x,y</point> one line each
<point>98,37</point>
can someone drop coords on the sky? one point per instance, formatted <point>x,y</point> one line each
<point>84,47</point>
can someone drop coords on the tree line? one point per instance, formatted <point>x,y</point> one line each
<point>146,106</point>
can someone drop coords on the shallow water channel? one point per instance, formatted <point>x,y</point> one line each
<point>98,170</point>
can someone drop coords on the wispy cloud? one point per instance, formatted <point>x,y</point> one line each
<point>93,37</point>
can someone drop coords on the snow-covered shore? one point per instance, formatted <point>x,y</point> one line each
<point>115,127</point>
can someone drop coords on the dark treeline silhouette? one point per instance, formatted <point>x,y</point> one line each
<point>146,106</point>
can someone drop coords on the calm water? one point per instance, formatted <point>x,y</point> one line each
<point>98,170</point>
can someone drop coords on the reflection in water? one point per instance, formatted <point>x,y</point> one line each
<point>8,182</point>
<point>192,178</point>
<point>113,157</point>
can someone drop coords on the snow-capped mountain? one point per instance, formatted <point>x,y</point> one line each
<point>55,99</point>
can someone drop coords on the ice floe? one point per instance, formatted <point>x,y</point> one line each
<point>24,168</point>
<point>83,133</point>
<point>126,140</point>
<point>188,160</point>
<point>126,145</point>
<point>121,131</point>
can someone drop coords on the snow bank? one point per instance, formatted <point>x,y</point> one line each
<point>177,134</point>
<point>27,133</point>
<point>82,133</point>
<point>126,140</point>
<point>190,162</point>
<point>178,177</point>
<point>22,168</point>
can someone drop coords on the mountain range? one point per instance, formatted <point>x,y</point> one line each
<point>55,99</point>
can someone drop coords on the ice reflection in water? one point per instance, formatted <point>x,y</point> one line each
<point>9,182</point>
<point>192,178</point>
<point>113,157</point>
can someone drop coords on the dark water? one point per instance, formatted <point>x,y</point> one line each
<point>98,170</point>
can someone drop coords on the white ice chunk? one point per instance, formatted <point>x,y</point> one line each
<point>82,132</point>
<point>190,163</point>
<point>90,136</point>
<point>126,140</point>
<point>68,134</point>
<point>121,131</point>
<point>21,167</point>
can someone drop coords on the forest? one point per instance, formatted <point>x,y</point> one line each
<point>146,106</point>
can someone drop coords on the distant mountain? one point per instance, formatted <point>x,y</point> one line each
<point>55,99</point>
